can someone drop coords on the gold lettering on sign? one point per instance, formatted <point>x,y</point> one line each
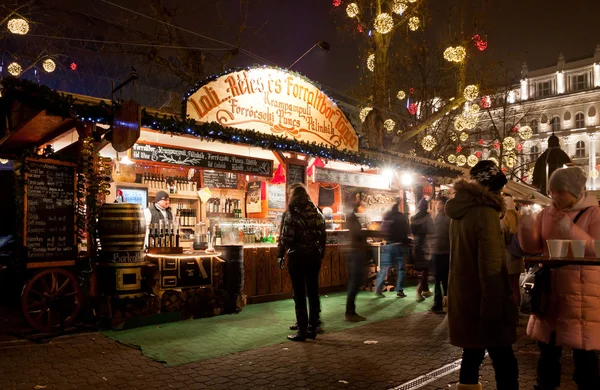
<point>273,101</point>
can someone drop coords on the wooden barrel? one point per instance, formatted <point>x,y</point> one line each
<point>122,231</point>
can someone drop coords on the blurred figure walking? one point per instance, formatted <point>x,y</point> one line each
<point>513,253</point>
<point>422,229</point>
<point>303,238</point>
<point>357,263</point>
<point>441,254</point>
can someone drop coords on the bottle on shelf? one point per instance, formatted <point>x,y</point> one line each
<point>151,237</point>
<point>177,237</point>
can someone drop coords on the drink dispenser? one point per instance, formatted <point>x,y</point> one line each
<point>200,236</point>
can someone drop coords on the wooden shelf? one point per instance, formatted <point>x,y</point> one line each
<point>185,195</point>
<point>132,185</point>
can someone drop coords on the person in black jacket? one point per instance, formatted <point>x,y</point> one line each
<point>395,229</point>
<point>303,237</point>
<point>357,264</point>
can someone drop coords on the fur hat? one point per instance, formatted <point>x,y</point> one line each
<point>488,175</point>
<point>571,179</point>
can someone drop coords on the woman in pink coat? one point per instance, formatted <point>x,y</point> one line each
<point>573,319</point>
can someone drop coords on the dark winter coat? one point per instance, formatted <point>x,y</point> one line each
<point>441,238</point>
<point>481,310</point>
<point>421,226</point>
<point>396,228</point>
<point>302,229</point>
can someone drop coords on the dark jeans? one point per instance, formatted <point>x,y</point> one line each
<point>504,363</point>
<point>357,272</point>
<point>548,370</point>
<point>304,272</point>
<point>442,269</point>
<point>391,255</point>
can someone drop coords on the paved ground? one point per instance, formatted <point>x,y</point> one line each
<point>406,348</point>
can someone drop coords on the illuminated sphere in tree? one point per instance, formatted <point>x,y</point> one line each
<point>14,69</point>
<point>414,23</point>
<point>401,95</point>
<point>461,160</point>
<point>509,143</point>
<point>364,112</point>
<point>371,62</point>
<point>525,132</point>
<point>384,23</point>
<point>389,124</point>
<point>18,26</point>
<point>352,10</point>
<point>428,143</point>
<point>451,159</point>
<point>49,65</point>
<point>464,136</point>
<point>398,7</point>
<point>472,160</point>
<point>455,54</point>
<point>471,92</point>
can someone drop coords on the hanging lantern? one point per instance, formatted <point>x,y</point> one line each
<point>458,149</point>
<point>481,142</point>
<point>486,102</point>
<point>412,108</point>
<point>352,10</point>
<point>384,23</point>
<point>519,147</point>
<point>428,143</point>
<point>18,26</point>
<point>478,154</point>
<point>453,137</point>
<point>455,54</point>
<point>337,3</point>
<point>496,145</point>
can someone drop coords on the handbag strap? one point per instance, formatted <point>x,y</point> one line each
<point>580,214</point>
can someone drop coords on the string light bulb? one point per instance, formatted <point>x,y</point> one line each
<point>352,10</point>
<point>49,65</point>
<point>389,124</point>
<point>471,92</point>
<point>525,132</point>
<point>472,160</point>
<point>414,23</point>
<point>364,112</point>
<point>398,7</point>
<point>428,143</point>
<point>509,143</point>
<point>14,69</point>
<point>455,54</point>
<point>451,159</point>
<point>371,62</point>
<point>401,95</point>
<point>461,160</point>
<point>18,26</point>
<point>384,23</point>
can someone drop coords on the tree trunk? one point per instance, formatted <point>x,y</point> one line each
<point>374,127</point>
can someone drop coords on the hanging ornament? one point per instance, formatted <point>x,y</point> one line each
<point>515,129</point>
<point>364,112</point>
<point>479,43</point>
<point>18,26</point>
<point>398,7</point>
<point>472,160</point>
<point>455,54</point>
<point>459,123</point>
<point>474,108</point>
<point>458,149</point>
<point>496,145</point>
<point>384,23</point>
<point>411,91</point>
<point>453,137</point>
<point>414,23</point>
<point>594,173</point>
<point>389,124</point>
<point>49,65</point>
<point>525,132</point>
<point>464,136</point>
<point>503,170</point>
<point>337,3</point>
<point>352,10</point>
<point>461,160</point>
<point>478,154</point>
<point>481,142</point>
<point>14,69</point>
<point>73,66</point>
<point>471,92</point>
<point>371,62</point>
<point>519,147</point>
<point>360,28</point>
<point>428,143</point>
<point>412,108</point>
<point>486,102</point>
<point>451,159</point>
<point>401,95</point>
<point>509,143</point>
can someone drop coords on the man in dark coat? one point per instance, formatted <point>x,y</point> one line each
<point>552,159</point>
<point>481,312</point>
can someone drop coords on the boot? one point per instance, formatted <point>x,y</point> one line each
<point>460,386</point>
<point>311,332</point>
<point>299,336</point>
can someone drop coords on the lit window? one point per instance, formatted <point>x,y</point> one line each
<point>580,149</point>
<point>579,120</point>
<point>555,124</point>
<point>543,89</point>
<point>579,82</point>
<point>534,126</point>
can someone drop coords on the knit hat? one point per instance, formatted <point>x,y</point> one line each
<point>161,195</point>
<point>571,179</point>
<point>423,205</point>
<point>488,175</point>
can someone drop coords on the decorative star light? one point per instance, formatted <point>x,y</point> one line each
<point>352,10</point>
<point>49,65</point>
<point>461,160</point>
<point>14,69</point>
<point>472,160</point>
<point>364,112</point>
<point>428,143</point>
<point>455,54</point>
<point>18,26</point>
<point>401,95</point>
<point>384,23</point>
<point>414,23</point>
<point>509,143</point>
<point>389,124</point>
<point>371,62</point>
<point>471,92</point>
<point>525,132</point>
<point>398,7</point>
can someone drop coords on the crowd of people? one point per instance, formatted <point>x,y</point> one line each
<point>476,244</point>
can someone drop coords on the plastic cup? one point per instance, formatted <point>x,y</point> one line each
<point>597,248</point>
<point>558,248</point>
<point>578,248</point>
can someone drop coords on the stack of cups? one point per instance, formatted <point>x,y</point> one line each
<point>597,248</point>
<point>560,248</point>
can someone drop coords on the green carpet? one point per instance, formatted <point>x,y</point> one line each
<point>256,326</point>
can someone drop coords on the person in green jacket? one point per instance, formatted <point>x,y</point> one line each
<point>481,312</point>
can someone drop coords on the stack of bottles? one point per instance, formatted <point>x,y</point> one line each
<point>163,235</point>
<point>173,184</point>
<point>224,205</point>
<point>185,217</point>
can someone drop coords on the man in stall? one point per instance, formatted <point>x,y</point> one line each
<point>158,211</point>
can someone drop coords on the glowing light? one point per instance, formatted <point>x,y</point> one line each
<point>478,154</point>
<point>472,160</point>
<point>479,43</point>
<point>455,54</point>
<point>3,161</point>
<point>125,160</point>
<point>406,179</point>
<point>398,7</point>
<point>352,10</point>
<point>461,160</point>
<point>519,147</point>
<point>14,69</point>
<point>509,161</point>
<point>509,143</point>
<point>401,95</point>
<point>389,124</point>
<point>453,137</point>
<point>594,173</point>
<point>481,142</point>
<point>471,92</point>
<point>428,143</point>
<point>384,23</point>
<point>387,173</point>
<point>49,65</point>
<point>458,149</point>
<point>451,159</point>
<point>18,26</point>
<point>474,108</point>
<point>464,136</point>
<point>459,123</point>
<point>413,108</point>
<point>496,145</point>
<point>337,3</point>
<point>414,23</point>
<point>494,160</point>
<point>364,112</point>
<point>371,62</point>
<point>73,66</point>
<point>525,132</point>
<point>486,102</point>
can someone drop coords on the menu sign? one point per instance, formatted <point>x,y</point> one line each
<point>212,179</point>
<point>254,198</point>
<point>276,196</point>
<point>202,159</point>
<point>272,101</point>
<point>49,217</point>
<point>295,174</point>
<point>363,180</point>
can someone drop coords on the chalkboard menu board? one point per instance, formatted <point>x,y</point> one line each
<point>295,174</point>
<point>363,180</point>
<point>49,218</point>
<point>214,179</point>
<point>202,159</point>
<point>276,197</point>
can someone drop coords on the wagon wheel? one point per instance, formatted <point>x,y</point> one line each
<point>51,298</point>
